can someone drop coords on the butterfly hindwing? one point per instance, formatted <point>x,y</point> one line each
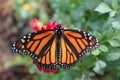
<point>68,57</point>
<point>48,60</point>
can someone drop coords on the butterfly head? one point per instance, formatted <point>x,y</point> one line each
<point>59,27</point>
<point>59,31</point>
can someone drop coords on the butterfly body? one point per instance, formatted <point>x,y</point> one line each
<point>58,47</point>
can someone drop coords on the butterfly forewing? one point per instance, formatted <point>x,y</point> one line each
<point>33,44</point>
<point>68,57</point>
<point>80,41</point>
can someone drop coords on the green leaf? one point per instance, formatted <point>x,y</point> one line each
<point>115,4</point>
<point>85,77</point>
<point>88,61</point>
<point>113,56</point>
<point>114,43</point>
<point>96,52</point>
<point>97,35</point>
<point>116,24</point>
<point>112,13</point>
<point>91,74</point>
<point>103,8</point>
<point>100,65</point>
<point>103,48</point>
<point>108,34</point>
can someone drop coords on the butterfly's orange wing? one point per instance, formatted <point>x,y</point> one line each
<point>74,44</point>
<point>40,46</point>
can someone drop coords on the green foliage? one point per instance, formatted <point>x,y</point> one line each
<point>17,60</point>
<point>103,8</point>
<point>99,66</point>
<point>99,17</point>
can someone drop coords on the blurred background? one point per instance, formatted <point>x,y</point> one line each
<point>99,17</point>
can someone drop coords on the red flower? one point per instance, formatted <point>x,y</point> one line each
<point>45,70</point>
<point>51,25</point>
<point>36,25</point>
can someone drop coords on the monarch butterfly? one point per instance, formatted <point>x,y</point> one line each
<point>58,47</point>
